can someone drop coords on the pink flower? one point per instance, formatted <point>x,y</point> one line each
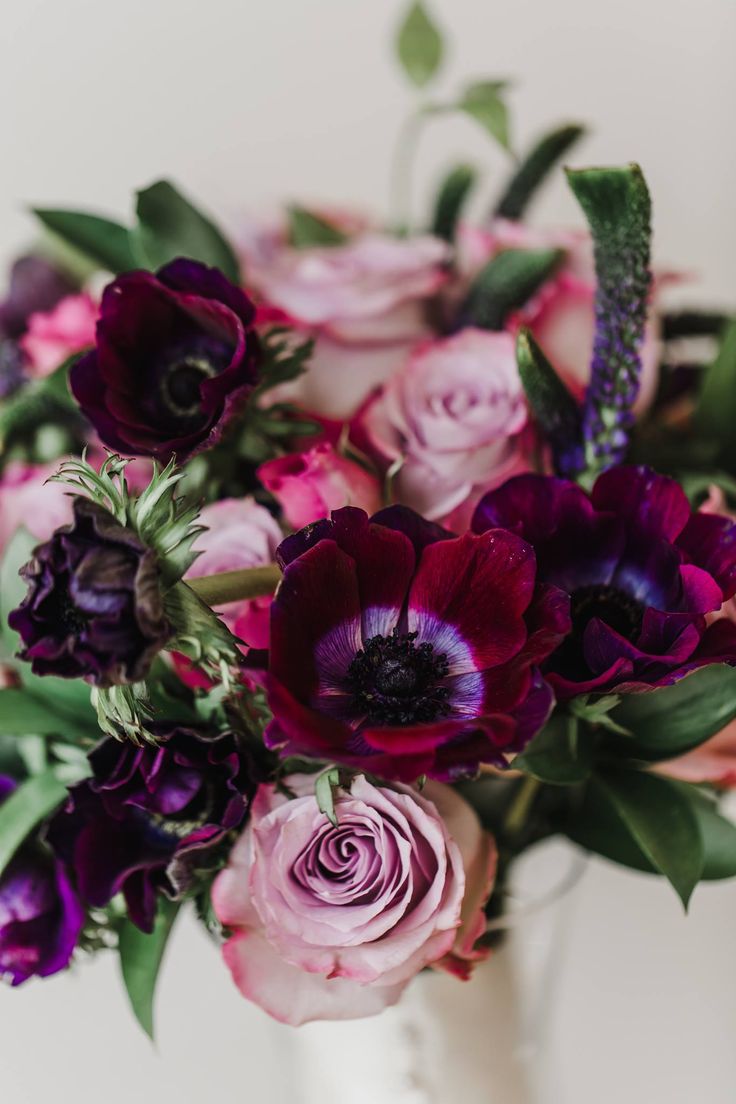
<point>54,335</point>
<point>240,534</point>
<point>333,922</point>
<point>714,761</point>
<point>310,485</point>
<point>362,302</point>
<point>26,499</point>
<point>455,412</point>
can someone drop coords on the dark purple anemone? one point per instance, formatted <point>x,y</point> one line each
<point>175,357</point>
<point>94,608</point>
<point>642,570</point>
<point>40,915</point>
<point>147,819</point>
<point>402,650</point>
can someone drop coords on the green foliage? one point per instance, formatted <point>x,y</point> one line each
<point>307,229</point>
<point>507,282</point>
<point>561,754</point>
<point>671,720</point>
<point>324,791</point>
<point>642,821</point>
<point>25,712</point>
<point>451,198</point>
<point>103,242</point>
<point>715,414</point>
<point>534,169</point>
<point>12,588</point>
<point>29,804</point>
<point>419,46</point>
<point>484,102</point>
<point>27,415</point>
<point>141,955</point>
<point>554,408</point>
<point>171,226</point>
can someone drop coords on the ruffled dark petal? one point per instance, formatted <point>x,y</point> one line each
<point>710,542</point>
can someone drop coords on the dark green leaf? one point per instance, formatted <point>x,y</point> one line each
<point>140,961</point>
<point>24,713</point>
<point>715,414</point>
<point>451,198</point>
<point>673,719</point>
<point>551,403</point>
<point>170,226</point>
<point>642,821</point>
<point>26,807</point>
<point>307,229</point>
<point>18,552</point>
<point>104,242</point>
<point>419,46</point>
<point>507,282</point>
<point>719,840</point>
<point>484,102</point>
<point>562,753</point>
<point>534,168</point>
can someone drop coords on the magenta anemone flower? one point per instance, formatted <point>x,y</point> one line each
<point>401,650</point>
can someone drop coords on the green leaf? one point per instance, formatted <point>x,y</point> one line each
<point>27,806</point>
<point>642,821</point>
<point>716,409</point>
<point>100,240</point>
<point>483,101</point>
<point>562,753</point>
<point>719,839</point>
<point>140,961</point>
<point>24,713</point>
<point>170,226</point>
<point>307,229</point>
<point>673,719</point>
<point>324,792</point>
<point>507,282</point>
<point>534,168</point>
<point>18,552</point>
<point>419,46</point>
<point>451,199</point>
<point>553,406</point>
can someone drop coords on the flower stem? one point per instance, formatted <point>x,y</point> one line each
<point>236,586</point>
<point>521,805</point>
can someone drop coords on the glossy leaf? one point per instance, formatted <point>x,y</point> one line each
<point>451,198</point>
<point>534,169</point>
<point>171,226</point>
<point>141,955</point>
<point>562,753</point>
<point>100,240</point>
<point>484,102</point>
<point>507,282</point>
<point>554,408</point>
<point>419,46</point>
<point>27,806</point>
<point>307,229</point>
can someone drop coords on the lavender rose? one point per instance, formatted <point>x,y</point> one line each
<point>94,608</point>
<point>332,922</point>
<point>40,915</point>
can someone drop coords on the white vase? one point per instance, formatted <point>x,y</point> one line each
<point>478,1042</point>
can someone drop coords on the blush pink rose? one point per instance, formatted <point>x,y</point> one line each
<point>455,412</point>
<point>26,499</point>
<point>363,303</point>
<point>714,761</point>
<point>53,336</point>
<point>333,922</point>
<point>240,533</point>
<point>310,485</point>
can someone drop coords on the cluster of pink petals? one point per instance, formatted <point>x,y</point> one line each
<point>332,922</point>
<point>310,485</point>
<point>53,336</point>
<point>27,500</point>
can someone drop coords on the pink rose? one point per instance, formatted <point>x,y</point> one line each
<point>26,499</point>
<point>362,302</point>
<point>333,922</point>
<point>54,335</point>
<point>310,485</point>
<point>240,533</point>
<point>455,412</point>
<point>714,761</point>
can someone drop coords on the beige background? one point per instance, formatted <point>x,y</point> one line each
<point>245,103</point>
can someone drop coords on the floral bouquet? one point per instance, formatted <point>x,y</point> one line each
<point>343,563</point>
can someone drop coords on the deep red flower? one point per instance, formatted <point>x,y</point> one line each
<point>175,357</point>
<point>402,650</point>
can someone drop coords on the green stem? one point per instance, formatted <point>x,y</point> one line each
<point>236,586</point>
<point>520,807</point>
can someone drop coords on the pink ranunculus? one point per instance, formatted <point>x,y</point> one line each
<point>26,499</point>
<point>240,533</point>
<point>363,303</point>
<point>456,412</point>
<point>53,336</point>
<point>310,485</point>
<point>332,922</point>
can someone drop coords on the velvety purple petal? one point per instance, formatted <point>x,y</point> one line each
<point>183,274</point>
<point>710,542</point>
<point>650,502</point>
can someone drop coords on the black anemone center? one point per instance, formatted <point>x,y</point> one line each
<point>61,610</point>
<point>613,606</point>
<point>397,682</point>
<point>180,375</point>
